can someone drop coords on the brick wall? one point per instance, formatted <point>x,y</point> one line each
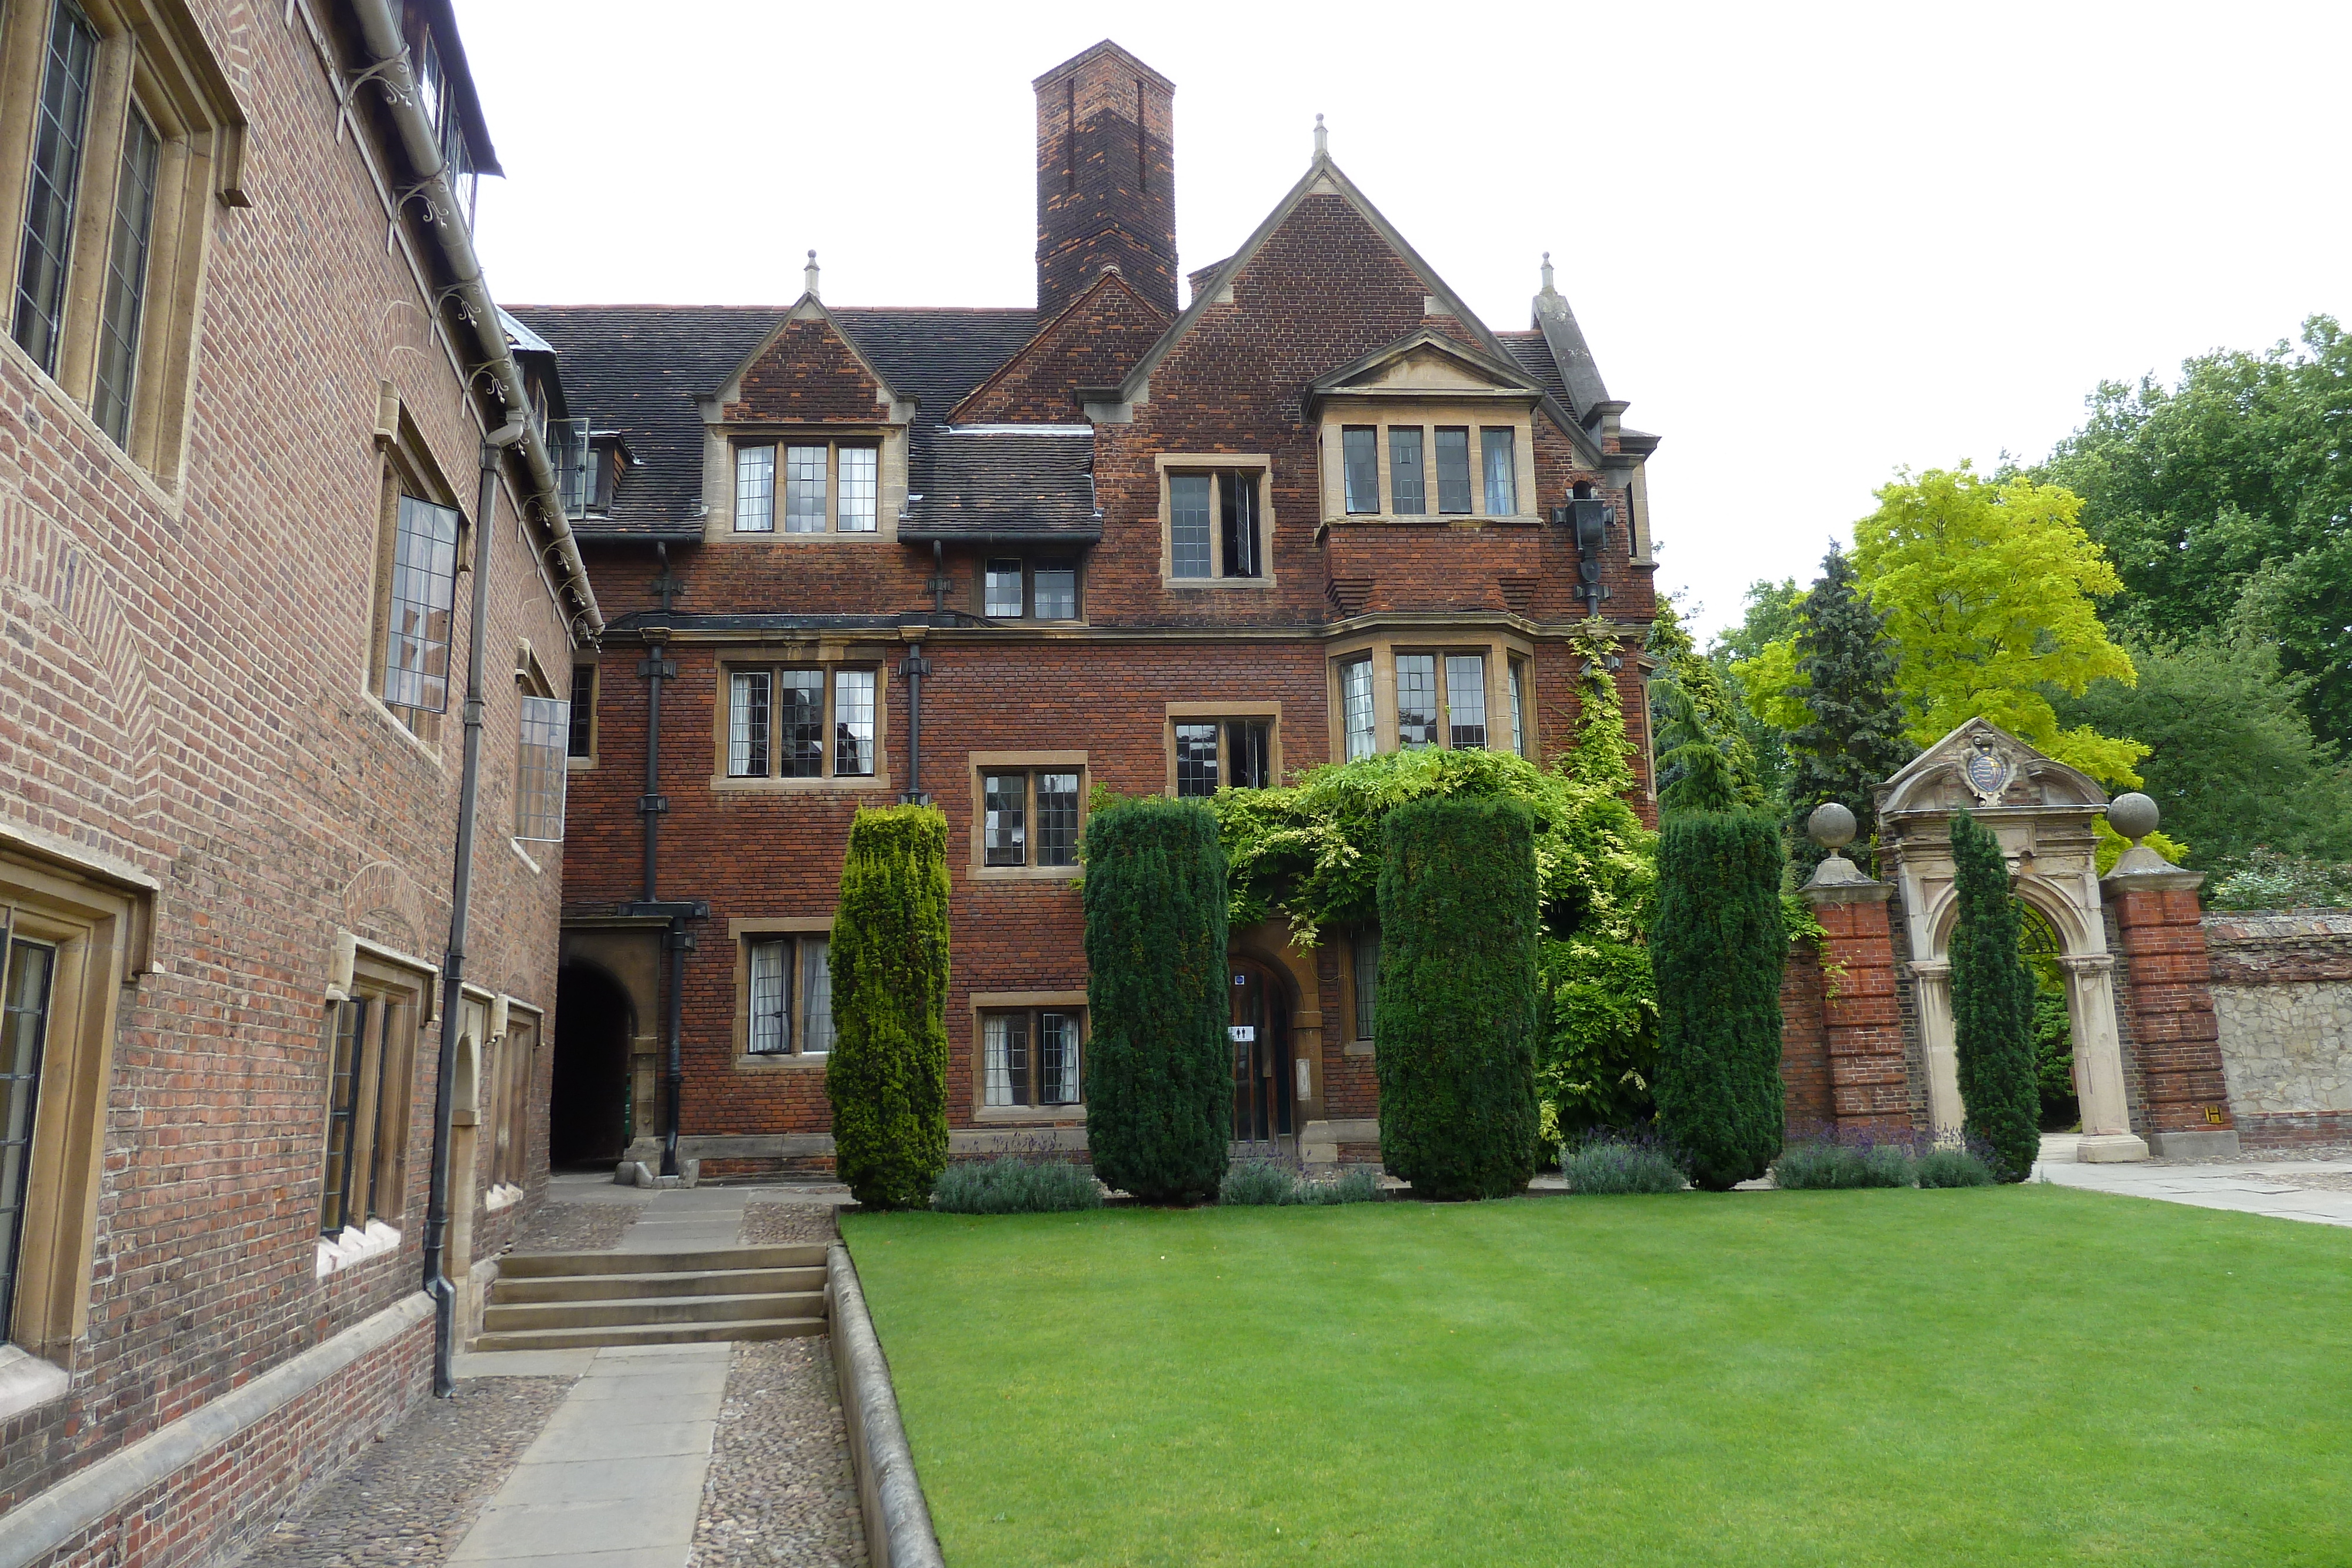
<point>2283,1008</point>
<point>2170,1006</point>
<point>1804,1043</point>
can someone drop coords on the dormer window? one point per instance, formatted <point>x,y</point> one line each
<point>828,488</point>
<point>1017,588</point>
<point>1427,426</point>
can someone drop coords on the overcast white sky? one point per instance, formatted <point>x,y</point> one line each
<point>1810,246</point>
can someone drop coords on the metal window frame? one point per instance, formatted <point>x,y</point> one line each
<point>1351,464</point>
<point>12,1221</point>
<point>1469,479</point>
<point>402,680</point>
<point>114,393</point>
<point>46,235</point>
<point>542,771</point>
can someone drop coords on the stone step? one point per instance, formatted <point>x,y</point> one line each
<point>651,1334</point>
<point>616,1287</point>
<point>651,1310</point>
<point>537,1265</point>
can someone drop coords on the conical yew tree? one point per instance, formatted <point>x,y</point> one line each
<point>1992,1006</point>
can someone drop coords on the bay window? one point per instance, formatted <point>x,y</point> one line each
<point>1453,469</point>
<point>1494,445</point>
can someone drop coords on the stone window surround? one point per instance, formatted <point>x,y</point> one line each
<point>889,480</point>
<point>984,1002</point>
<point>1515,414</point>
<point>408,468</point>
<point>100,915</point>
<point>1382,647</point>
<point>741,932</point>
<point>151,55</point>
<point>1030,556</point>
<point>979,764</point>
<point>1360,1040</point>
<point>1167,463</point>
<point>595,728</point>
<point>378,974</point>
<point>827,656</point>
<point>1192,712</point>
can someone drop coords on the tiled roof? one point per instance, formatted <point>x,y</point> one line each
<point>1530,350</point>
<point>1002,482</point>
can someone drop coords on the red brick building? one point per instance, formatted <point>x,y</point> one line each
<point>247,371</point>
<point>997,559</point>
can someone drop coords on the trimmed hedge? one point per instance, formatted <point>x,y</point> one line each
<point>1159,1087</point>
<point>888,1076</point>
<point>1457,990</point>
<point>1719,945</point>
<point>1992,1007</point>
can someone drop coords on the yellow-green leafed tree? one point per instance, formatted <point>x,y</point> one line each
<point>1987,587</point>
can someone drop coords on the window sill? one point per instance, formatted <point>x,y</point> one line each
<point>580,765</point>
<point>1357,1048</point>
<point>1031,1115</point>
<point>829,535</point>
<point>27,1383</point>
<point>781,1062</point>
<point>728,785</point>
<point>1431,519</point>
<point>503,1195</point>
<point>1025,872</point>
<point>1246,584</point>
<point>524,855</point>
<point>355,1246</point>
<point>429,750</point>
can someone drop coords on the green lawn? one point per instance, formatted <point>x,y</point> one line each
<point>2016,1375</point>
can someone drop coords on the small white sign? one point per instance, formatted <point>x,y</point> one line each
<point>1243,1034</point>
<point>1305,1081</point>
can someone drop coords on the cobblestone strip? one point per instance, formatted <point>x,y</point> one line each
<point>412,1495</point>
<point>772,1224</point>
<point>780,1490</point>
<point>576,1227</point>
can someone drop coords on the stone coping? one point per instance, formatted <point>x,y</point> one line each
<point>898,1532</point>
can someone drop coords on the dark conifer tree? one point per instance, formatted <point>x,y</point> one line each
<point>1718,944</point>
<point>1855,741</point>
<point>1992,1006</point>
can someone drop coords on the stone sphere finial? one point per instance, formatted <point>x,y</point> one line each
<point>1831,826</point>
<point>2133,816</point>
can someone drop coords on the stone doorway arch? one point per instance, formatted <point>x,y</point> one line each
<point>2047,816</point>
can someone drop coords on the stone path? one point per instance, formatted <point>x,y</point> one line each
<point>2281,1188</point>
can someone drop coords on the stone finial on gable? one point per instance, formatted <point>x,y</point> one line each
<point>1322,139</point>
<point>808,277</point>
<point>1548,287</point>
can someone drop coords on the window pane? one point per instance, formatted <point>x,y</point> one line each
<point>383,1202</point>
<point>424,584</point>
<point>771,999</point>
<point>800,723</point>
<point>816,992</point>
<point>1408,479</point>
<point>347,1022</point>
<point>1368,980</point>
<point>1054,585</point>
<point>859,465</point>
<point>1519,707</point>
<point>1245,754</point>
<point>1057,1059</point>
<point>1004,1046</point>
<point>1196,759</point>
<point>1465,701</point>
<point>126,277</point>
<point>540,773</point>
<point>23,1022</point>
<point>1058,819</point>
<point>1416,681</point>
<point>805,489</point>
<point>60,124</point>
<point>755,490</point>
<point>1000,594</point>
<point>853,723</point>
<point>1359,457</point>
<point>1453,469</point>
<point>582,740</point>
<point>1356,703</point>
<point>1502,473</point>
<point>1004,819</point>
<point>1237,496</point>
<point>1189,500</point>
<point>747,724</point>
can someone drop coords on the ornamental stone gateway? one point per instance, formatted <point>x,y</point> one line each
<point>2147,1067</point>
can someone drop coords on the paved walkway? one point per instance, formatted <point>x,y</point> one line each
<point>2255,1187</point>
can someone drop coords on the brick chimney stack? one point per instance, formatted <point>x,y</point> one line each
<point>1106,177</point>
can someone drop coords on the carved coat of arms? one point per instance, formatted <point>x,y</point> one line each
<point>1987,769</point>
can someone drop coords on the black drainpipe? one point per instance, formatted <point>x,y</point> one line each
<point>914,667</point>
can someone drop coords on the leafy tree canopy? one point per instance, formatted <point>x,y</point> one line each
<point>2226,502</point>
<point>1704,761</point>
<point>1854,739</point>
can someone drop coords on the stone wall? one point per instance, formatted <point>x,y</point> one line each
<point>2283,996</point>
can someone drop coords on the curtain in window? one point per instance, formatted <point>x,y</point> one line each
<point>1360,467</point>
<point>1191,498</point>
<point>1502,474</point>
<point>816,995</point>
<point>805,489</point>
<point>853,723</point>
<point>858,488</point>
<point>747,723</point>
<point>1519,710</point>
<point>755,490</point>
<point>1408,481</point>
<point>1465,701</point>
<point>1005,1042</point>
<point>772,1018</point>
<point>1416,682</point>
<point>1356,702</point>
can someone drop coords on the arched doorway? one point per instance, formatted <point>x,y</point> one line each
<point>2055,1072</point>
<point>588,1108</point>
<point>1260,1037</point>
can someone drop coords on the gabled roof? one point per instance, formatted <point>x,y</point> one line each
<point>1047,365</point>
<point>1915,785</point>
<point>1324,177</point>
<point>807,309</point>
<point>1500,374</point>
<point>1564,341</point>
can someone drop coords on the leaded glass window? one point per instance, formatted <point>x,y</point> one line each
<point>1519,736</point>
<point>1013,1076</point>
<point>1005,1038</point>
<point>347,1035</point>
<point>747,723</point>
<point>26,968</point>
<point>540,773</point>
<point>60,122</point>
<point>1057,1059</point>
<point>423,587</point>
<point>788,1000</point>
<point>755,490</point>
<point>1237,496</point>
<point>1453,469</point>
<point>1502,473</point>
<point>816,989</point>
<point>580,738</point>
<point>1058,819</point>
<point>1356,708</point>
<point>771,999</point>
<point>1408,476</point>
<point>1191,500</point>
<point>853,723</point>
<point>1004,819</point>
<point>126,277</point>
<point>1465,701</point>
<point>1055,587</point>
<point>1196,759</point>
<point>859,489</point>
<point>1366,965</point>
<point>1001,590</point>
<point>1361,465</point>
<point>1416,684</point>
<point>800,723</point>
<point>805,489</point>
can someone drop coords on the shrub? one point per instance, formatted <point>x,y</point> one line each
<point>1013,1185</point>
<point>1159,1089</point>
<point>1954,1167</point>
<point>888,1074</point>
<point>1840,1163</point>
<point>1604,1162</point>
<point>1357,1184</point>
<point>1457,996</point>
<point>1717,945</point>
<point>2263,878</point>
<point>1992,1006</point>
<point>1258,1182</point>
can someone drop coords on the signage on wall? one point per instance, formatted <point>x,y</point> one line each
<point>1243,1034</point>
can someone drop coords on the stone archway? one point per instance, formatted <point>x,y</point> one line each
<point>2047,816</point>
